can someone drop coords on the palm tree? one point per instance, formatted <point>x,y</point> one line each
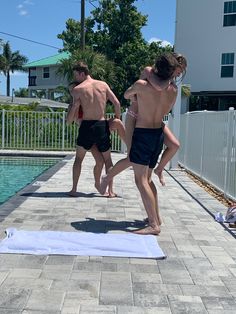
<point>100,67</point>
<point>11,61</point>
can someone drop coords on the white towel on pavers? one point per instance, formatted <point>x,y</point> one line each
<point>80,243</point>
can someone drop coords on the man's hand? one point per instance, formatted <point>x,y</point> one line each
<point>145,74</point>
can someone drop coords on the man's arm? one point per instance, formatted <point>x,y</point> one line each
<point>73,110</point>
<point>133,90</point>
<point>113,99</point>
<point>149,75</point>
<point>130,92</point>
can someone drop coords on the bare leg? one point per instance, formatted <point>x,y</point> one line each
<point>154,191</point>
<point>108,165</point>
<point>172,146</point>
<point>80,153</point>
<point>117,125</point>
<point>148,198</point>
<point>126,136</point>
<point>112,172</point>
<point>97,170</point>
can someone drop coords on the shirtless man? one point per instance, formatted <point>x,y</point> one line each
<point>170,141</point>
<point>147,140</point>
<point>91,95</point>
<point>114,125</point>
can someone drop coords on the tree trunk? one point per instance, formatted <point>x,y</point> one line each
<point>8,83</point>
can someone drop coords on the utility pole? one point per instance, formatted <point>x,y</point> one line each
<point>82,35</point>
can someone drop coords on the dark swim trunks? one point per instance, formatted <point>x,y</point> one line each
<point>94,132</point>
<point>146,146</point>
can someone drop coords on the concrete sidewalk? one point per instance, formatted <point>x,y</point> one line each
<point>198,276</point>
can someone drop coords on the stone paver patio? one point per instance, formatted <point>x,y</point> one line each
<point>198,276</point>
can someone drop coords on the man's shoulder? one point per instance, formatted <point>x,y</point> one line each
<point>100,82</point>
<point>100,85</point>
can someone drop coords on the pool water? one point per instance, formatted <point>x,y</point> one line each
<point>17,172</point>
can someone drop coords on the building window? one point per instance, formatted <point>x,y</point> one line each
<point>46,73</point>
<point>229,13</point>
<point>227,64</point>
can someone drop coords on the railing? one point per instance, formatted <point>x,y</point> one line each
<point>32,80</point>
<point>27,130</point>
<point>208,148</point>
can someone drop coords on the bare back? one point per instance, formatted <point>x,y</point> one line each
<point>91,95</point>
<point>153,104</point>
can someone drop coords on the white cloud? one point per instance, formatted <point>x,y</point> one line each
<point>23,12</point>
<point>164,43</point>
<point>21,7</point>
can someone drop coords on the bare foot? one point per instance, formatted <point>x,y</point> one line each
<point>73,193</point>
<point>158,218</point>
<point>148,230</point>
<point>159,173</point>
<point>98,187</point>
<point>111,195</point>
<point>104,184</point>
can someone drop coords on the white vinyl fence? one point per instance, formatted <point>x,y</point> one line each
<point>41,131</point>
<point>208,148</point>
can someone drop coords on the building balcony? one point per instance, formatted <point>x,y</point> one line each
<point>32,81</point>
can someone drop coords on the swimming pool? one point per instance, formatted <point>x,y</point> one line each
<point>17,172</point>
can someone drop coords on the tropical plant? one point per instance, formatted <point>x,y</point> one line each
<point>61,94</point>
<point>22,92</point>
<point>30,107</point>
<point>10,62</point>
<point>71,36</point>
<point>100,67</point>
<point>114,30</point>
<point>40,93</point>
<point>185,90</point>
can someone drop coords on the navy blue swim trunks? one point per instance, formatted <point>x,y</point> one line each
<point>146,146</point>
<point>94,132</point>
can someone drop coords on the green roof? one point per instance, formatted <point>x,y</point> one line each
<point>53,60</point>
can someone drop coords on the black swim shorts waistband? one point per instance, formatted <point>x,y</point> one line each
<point>148,130</point>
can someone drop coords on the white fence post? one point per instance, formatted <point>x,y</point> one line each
<point>186,138</point>
<point>3,127</point>
<point>228,150</point>
<point>202,141</point>
<point>63,130</point>
<point>176,125</point>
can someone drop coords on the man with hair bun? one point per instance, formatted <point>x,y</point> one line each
<point>147,141</point>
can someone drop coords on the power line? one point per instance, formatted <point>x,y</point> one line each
<point>32,41</point>
<point>39,43</point>
<point>91,2</point>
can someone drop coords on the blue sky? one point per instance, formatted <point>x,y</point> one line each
<point>42,20</point>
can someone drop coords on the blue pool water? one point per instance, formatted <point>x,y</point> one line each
<point>17,172</point>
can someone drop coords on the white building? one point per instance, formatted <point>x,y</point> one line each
<point>43,75</point>
<point>206,35</point>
